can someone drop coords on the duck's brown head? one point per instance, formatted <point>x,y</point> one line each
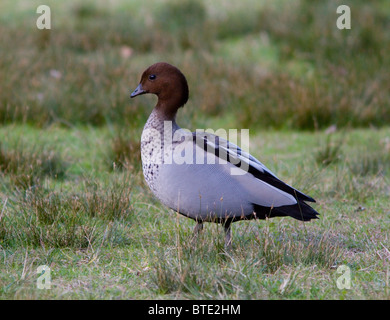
<point>168,83</point>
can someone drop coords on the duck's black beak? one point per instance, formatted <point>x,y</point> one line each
<point>137,91</point>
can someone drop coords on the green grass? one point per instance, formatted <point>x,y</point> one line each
<point>285,65</point>
<point>72,194</point>
<point>105,237</point>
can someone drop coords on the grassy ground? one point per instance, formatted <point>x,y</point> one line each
<point>72,195</point>
<point>104,236</point>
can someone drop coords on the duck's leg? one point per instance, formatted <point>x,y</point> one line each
<point>198,228</point>
<point>228,235</point>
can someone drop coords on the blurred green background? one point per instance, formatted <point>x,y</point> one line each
<point>252,64</point>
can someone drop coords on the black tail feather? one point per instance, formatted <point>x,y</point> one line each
<point>300,211</point>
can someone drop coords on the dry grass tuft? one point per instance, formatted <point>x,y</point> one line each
<point>25,168</point>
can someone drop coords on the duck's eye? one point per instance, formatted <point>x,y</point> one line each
<point>152,77</point>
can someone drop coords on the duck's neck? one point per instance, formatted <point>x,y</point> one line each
<point>167,108</point>
<point>158,117</point>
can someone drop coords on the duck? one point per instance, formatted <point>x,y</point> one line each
<point>201,175</point>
